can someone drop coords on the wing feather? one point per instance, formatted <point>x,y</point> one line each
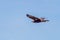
<point>32,17</point>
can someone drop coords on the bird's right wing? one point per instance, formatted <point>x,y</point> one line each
<point>32,17</point>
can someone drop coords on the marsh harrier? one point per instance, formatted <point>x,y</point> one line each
<point>35,19</point>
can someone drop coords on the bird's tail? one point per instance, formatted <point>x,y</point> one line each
<point>46,20</point>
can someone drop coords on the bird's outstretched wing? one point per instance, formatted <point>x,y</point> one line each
<point>32,17</point>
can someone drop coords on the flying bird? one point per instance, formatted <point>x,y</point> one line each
<point>36,19</point>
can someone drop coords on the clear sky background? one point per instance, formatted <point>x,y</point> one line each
<point>14,25</point>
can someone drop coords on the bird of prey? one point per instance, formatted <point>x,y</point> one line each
<point>35,19</point>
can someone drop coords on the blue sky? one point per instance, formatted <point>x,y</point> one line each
<point>14,25</point>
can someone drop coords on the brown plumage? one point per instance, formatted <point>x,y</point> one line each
<point>35,19</point>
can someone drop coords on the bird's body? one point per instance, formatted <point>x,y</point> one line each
<point>35,19</point>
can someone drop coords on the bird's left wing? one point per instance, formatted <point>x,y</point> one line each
<point>32,17</point>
